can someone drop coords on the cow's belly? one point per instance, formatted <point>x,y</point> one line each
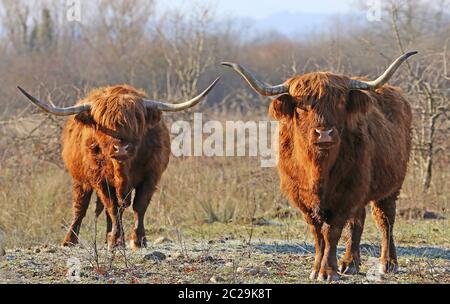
<point>388,172</point>
<point>386,181</point>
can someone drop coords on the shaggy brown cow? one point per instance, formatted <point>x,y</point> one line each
<point>115,142</point>
<point>343,143</point>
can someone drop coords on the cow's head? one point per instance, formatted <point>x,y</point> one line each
<point>119,115</point>
<point>319,106</point>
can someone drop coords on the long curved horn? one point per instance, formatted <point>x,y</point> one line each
<point>169,107</point>
<point>380,81</point>
<point>55,110</point>
<point>257,85</point>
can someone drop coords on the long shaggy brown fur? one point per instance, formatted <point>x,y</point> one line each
<point>117,118</point>
<point>371,132</point>
<point>119,109</point>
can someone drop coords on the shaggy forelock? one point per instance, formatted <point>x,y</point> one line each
<point>119,108</point>
<point>323,87</point>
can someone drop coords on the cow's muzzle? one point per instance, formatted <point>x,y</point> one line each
<point>122,152</point>
<point>324,139</point>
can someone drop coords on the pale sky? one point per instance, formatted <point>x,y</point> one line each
<point>259,9</point>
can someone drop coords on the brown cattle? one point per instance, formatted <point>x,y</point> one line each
<point>115,142</point>
<point>344,142</point>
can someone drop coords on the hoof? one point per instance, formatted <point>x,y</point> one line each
<point>115,245</point>
<point>349,269</point>
<point>137,245</point>
<point>313,275</point>
<point>388,267</point>
<point>69,242</point>
<point>332,276</point>
<point>112,247</point>
<point>66,244</point>
<point>134,246</point>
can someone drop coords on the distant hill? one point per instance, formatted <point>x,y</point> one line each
<point>292,24</point>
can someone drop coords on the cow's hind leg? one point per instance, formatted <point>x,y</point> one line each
<point>383,212</point>
<point>108,226</point>
<point>351,260</point>
<point>99,207</point>
<point>141,201</point>
<point>81,197</point>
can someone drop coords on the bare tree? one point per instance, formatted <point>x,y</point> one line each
<point>429,84</point>
<point>15,20</point>
<point>118,37</point>
<point>187,48</point>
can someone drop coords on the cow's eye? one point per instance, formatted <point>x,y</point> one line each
<point>95,148</point>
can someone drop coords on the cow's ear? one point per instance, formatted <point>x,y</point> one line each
<point>282,108</point>
<point>358,104</point>
<point>153,117</point>
<point>85,118</point>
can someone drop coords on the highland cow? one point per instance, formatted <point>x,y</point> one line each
<point>115,142</point>
<point>344,142</point>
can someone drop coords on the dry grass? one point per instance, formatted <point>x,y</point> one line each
<point>193,191</point>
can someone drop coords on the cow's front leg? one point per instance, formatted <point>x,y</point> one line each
<point>123,193</point>
<point>114,234</point>
<point>319,246</point>
<point>81,197</point>
<point>121,184</point>
<point>98,210</point>
<point>142,199</point>
<point>328,268</point>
